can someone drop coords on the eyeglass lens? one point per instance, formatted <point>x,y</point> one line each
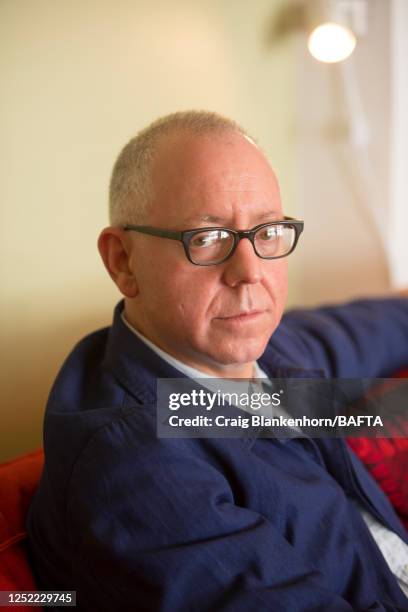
<point>213,246</point>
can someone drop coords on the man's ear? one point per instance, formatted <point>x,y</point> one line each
<point>115,249</point>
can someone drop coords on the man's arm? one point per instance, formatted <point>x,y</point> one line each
<point>159,529</point>
<point>364,338</point>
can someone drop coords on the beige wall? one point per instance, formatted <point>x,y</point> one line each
<point>79,78</point>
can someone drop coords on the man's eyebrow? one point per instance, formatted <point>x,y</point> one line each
<point>207,218</point>
<point>270,214</point>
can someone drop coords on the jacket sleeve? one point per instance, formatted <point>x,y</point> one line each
<point>365,338</point>
<point>158,529</point>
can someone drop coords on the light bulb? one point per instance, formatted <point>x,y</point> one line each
<point>331,42</point>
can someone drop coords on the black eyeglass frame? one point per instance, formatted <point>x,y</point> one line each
<point>185,236</point>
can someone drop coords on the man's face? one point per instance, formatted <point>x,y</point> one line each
<point>218,317</point>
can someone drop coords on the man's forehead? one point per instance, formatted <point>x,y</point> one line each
<point>242,189</point>
<point>229,181</point>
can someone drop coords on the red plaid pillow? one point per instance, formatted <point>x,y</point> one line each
<point>387,461</point>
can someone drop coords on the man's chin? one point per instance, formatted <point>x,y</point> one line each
<point>244,345</point>
<point>237,355</point>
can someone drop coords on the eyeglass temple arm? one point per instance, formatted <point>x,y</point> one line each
<point>154,231</point>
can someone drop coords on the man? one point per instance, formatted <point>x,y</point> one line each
<point>132,521</point>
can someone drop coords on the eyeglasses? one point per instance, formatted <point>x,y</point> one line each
<point>209,246</point>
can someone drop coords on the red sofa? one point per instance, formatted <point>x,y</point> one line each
<point>18,481</point>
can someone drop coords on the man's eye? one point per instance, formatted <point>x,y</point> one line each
<point>270,233</point>
<point>208,240</point>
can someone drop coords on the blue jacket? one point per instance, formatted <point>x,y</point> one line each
<point>133,522</point>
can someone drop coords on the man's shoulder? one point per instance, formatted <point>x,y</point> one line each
<point>102,404</point>
<point>81,371</point>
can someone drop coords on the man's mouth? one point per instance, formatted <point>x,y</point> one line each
<point>241,317</point>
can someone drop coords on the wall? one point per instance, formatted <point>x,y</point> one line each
<point>343,185</point>
<point>79,78</point>
<point>398,251</point>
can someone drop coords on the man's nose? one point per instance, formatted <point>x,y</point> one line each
<point>244,266</point>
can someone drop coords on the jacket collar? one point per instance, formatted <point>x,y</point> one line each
<point>133,363</point>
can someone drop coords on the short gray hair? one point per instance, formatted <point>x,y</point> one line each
<point>131,187</point>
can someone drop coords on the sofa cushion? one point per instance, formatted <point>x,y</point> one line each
<point>18,481</point>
